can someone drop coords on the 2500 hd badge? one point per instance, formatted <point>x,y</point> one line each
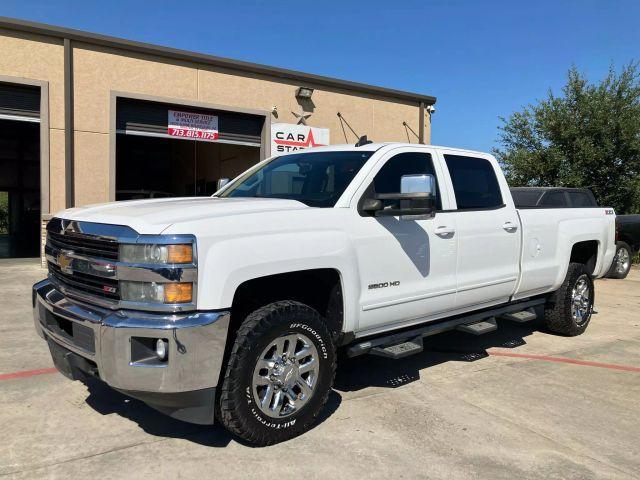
<point>374,286</point>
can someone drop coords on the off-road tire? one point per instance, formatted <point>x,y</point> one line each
<point>557,314</point>
<point>237,409</point>
<point>613,272</point>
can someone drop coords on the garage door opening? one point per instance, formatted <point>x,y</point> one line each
<point>149,167</point>
<point>19,171</point>
<point>152,163</point>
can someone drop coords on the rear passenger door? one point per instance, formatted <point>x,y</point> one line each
<point>487,230</point>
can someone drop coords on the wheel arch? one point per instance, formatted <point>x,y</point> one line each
<point>320,288</point>
<point>585,252</point>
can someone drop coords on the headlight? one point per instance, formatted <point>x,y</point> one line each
<point>152,253</point>
<point>151,292</point>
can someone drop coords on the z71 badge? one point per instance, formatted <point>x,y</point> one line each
<point>374,286</point>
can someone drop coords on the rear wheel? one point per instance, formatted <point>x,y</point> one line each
<point>621,262</point>
<point>279,374</point>
<point>570,307</point>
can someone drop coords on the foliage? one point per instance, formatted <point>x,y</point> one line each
<point>4,212</point>
<point>588,137</point>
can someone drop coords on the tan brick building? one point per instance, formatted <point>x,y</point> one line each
<point>85,118</point>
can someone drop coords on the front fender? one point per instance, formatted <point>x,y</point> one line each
<point>225,264</point>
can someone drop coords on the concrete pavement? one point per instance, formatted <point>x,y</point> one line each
<point>458,410</point>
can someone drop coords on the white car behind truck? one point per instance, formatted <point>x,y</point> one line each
<point>232,307</point>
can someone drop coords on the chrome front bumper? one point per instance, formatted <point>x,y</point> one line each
<point>104,337</point>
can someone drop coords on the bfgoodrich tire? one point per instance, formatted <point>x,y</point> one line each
<point>569,309</point>
<point>621,262</point>
<point>279,374</point>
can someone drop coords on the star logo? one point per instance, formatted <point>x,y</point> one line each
<point>302,117</point>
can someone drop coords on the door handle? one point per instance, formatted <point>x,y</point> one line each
<point>510,227</point>
<point>444,230</point>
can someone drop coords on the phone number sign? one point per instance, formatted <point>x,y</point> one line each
<point>194,126</point>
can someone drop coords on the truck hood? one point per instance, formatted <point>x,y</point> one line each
<point>156,215</point>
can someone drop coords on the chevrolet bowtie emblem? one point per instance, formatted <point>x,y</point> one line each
<point>65,261</point>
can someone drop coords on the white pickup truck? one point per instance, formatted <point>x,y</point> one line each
<point>234,306</point>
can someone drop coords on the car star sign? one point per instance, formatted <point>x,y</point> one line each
<point>193,126</point>
<point>287,137</point>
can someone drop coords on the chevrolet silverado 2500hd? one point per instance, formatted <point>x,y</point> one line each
<point>233,306</point>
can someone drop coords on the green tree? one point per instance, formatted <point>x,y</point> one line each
<point>587,137</point>
<point>4,213</point>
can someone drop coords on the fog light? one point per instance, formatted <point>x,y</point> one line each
<point>161,349</point>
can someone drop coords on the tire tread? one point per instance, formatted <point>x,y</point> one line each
<point>257,323</point>
<point>558,316</point>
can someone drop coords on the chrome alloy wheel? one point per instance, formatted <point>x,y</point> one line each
<point>622,261</point>
<point>285,375</point>
<point>580,300</point>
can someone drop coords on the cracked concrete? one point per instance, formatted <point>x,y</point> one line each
<point>451,412</point>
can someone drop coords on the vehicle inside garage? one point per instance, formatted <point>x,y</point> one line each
<point>19,171</point>
<point>153,163</point>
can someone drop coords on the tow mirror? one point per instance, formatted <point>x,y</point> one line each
<point>221,183</point>
<point>418,184</point>
<point>417,197</point>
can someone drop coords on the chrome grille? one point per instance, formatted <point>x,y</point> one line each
<point>85,245</point>
<point>83,263</point>
<point>98,286</point>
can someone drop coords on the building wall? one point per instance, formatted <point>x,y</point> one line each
<point>99,71</point>
<point>35,57</point>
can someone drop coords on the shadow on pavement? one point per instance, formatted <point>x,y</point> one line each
<point>353,374</point>
<point>106,400</point>
<point>372,371</point>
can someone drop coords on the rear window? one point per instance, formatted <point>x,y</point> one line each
<point>525,198</point>
<point>474,182</point>
<point>554,200</point>
<point>581,199</point>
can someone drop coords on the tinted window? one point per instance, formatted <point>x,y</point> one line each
<point>317,179</point>
<point>525,198</point>
<point>553,199</point>
<point>474,182</point>
<point>387,180</point>
<point>581,199</point>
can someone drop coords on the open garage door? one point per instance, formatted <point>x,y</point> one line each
<point>19,171</point>
<point>153,160</point>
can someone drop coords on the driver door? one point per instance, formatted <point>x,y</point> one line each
<point>407,265</point>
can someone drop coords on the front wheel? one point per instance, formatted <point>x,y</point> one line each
<point>570,307</point>
<point>279,374</point>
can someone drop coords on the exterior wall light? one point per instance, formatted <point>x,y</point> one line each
<point>304,92</point>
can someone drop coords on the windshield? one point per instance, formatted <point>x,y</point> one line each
<point>315,178</point>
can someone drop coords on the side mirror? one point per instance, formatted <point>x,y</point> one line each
<point>221,183</point>
<point>417,197</point>
<point>418,184</point>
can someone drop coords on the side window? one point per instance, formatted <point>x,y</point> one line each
<point>387,180</point>
<point>554,200</point>
<point>474,182</point>
<point>581,199</point>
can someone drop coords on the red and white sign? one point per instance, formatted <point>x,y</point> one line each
<point>287,137</point>
<point>193,126</point>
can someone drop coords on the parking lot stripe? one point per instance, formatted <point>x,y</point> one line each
<point>573,361</point>
<point>27,373</point>
<point>495,353</point>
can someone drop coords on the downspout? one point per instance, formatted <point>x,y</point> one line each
<point>68,125</point>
